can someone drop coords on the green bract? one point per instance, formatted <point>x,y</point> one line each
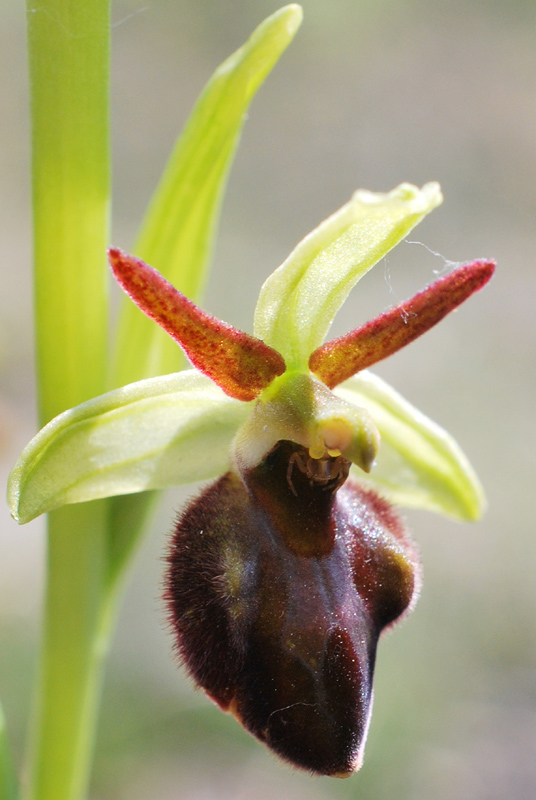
<point>182,428</point>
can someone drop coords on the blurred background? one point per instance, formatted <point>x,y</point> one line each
<point>371,93</point>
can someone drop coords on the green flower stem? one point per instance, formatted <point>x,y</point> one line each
<point>68,44</point>
<point>69,72</point>
<point>76,634</point>
<point>8,785</point>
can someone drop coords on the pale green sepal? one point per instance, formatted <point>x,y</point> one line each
<point>419,464</point>
<point>298,302</point>
<point>177,235</point>
<point>153,434</point>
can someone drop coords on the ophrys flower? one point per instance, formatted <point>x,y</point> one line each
<point>283,573</point>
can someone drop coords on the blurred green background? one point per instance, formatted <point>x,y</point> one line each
<point>371,93</point>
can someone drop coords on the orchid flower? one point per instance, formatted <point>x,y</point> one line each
<point>285,571</point>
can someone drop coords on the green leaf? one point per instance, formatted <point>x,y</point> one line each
<point>149,435</point>
<point>299,300</point>
<point>419,464</point>
<point>177,235</point>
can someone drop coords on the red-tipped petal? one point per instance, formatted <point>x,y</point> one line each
<point>338,360</point>
<point>240,364</point>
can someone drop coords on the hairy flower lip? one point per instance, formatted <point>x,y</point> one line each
<point>277,603</point>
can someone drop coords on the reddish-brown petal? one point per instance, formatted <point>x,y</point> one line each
<point>240,364</point>
<point>338,360</point>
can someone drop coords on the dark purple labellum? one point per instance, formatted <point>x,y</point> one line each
<point>278,591</point>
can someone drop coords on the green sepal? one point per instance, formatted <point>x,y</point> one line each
<point>419,465</point>
<point>152,434</point>
<point>298,302</point>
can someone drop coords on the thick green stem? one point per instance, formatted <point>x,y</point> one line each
<point>76,634</point>
<point>68,44</point>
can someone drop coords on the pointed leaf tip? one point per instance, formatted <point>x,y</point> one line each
<point>339,359</point>
<point>240,364</point>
